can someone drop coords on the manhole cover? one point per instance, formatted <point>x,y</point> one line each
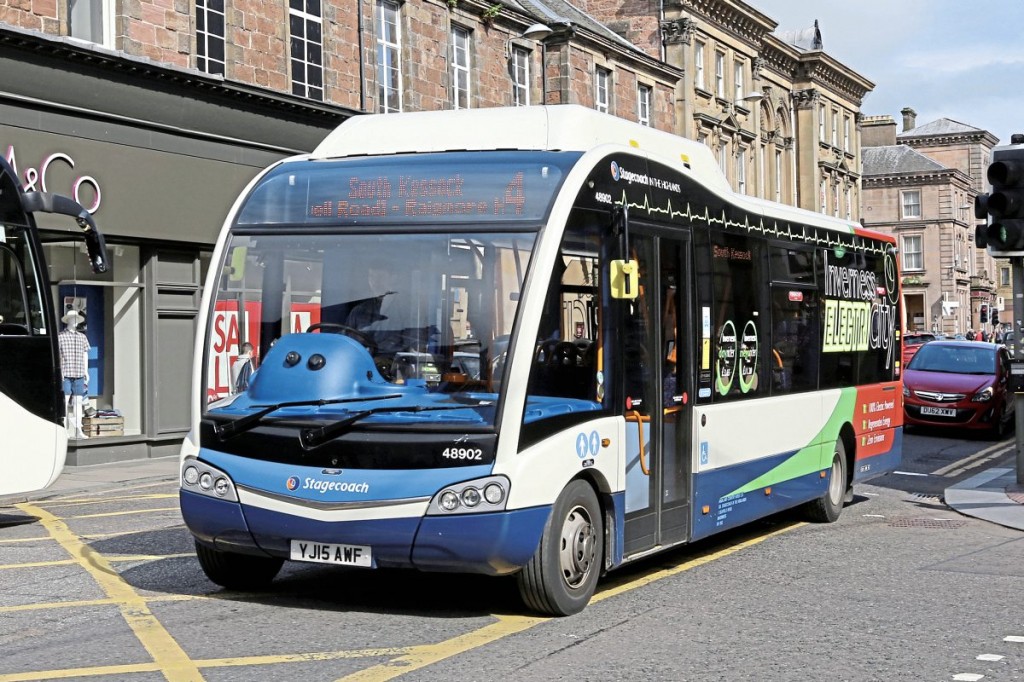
<point>927,523</point>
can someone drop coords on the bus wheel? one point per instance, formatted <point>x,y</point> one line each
<point>562,575</point>
<point>827,508</point>
<point>237,571</point>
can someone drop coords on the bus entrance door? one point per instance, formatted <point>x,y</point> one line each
<point>657,402</point>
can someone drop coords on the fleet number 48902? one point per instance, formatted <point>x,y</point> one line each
<point>475,454</point>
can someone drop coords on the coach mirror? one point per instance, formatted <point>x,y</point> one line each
<point>624,273</point>
<point>55,203</point>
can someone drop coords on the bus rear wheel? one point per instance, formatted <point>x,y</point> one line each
<point>237,571</point>
<point>562,575</point>
<point>827,508</point>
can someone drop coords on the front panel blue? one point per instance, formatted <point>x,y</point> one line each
<point>494,544</point>
<point>360,485</point>
<point>390,540</point>
<point>714,488</point>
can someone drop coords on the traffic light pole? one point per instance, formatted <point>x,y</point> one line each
<point>1017,365</point>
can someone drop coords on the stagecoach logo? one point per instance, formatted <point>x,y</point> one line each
<point>615,171</point>
<point>294,483</point>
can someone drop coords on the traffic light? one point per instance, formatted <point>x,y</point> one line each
<point>1004,234</point>
<point>983,313</point>
<point>995,316</point>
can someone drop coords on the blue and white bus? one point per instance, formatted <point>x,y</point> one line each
<point>539,341</point>
<point>33,408</point>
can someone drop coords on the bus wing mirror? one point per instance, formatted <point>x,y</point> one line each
<point>48,202</point>
<point>237,270</point>
<point>625,279</point>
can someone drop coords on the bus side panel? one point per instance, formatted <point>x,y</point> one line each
<point>727,508</point>
<point>33,451</point>
<point>592,449</point>
<point>878,424</point>
<point>757,457</point>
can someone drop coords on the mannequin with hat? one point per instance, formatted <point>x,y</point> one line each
<point>74,366</point>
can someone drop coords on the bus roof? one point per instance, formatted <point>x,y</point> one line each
<point>564,127</point>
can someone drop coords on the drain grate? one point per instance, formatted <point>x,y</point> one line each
<point>927,523</point>
<point>925,496</point>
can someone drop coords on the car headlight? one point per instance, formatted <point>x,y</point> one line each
<point>906,391</point>
<point>488,494</point>
<point>203,479</point>
<point>983,396</point>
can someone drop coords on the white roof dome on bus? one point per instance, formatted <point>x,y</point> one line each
<point>566,127</point>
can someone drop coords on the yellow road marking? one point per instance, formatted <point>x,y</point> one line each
<point>92,602</point>
<point>422,656</point>
<point>167,654</point>
<point>131,512</point>
<point>81,502</point>
<point>174,663</point>
<point>234,662</point>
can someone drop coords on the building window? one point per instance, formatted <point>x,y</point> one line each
<point>849,204</point>
<point>737,77</point>
<point>911,203</point>
<point>835,128</point>
<point>1004,277</point>
<point>741,172</point>
<point>210,36</point>
<point>778,175</point>
<point>389,58</point>
<point>821,123</point>
<point>720,75</point>
<point>305,23</point>
<point>643,104</point>
<point>699,77</point>
<point>823,196</point>
<point>92,20</point>
<point>912,253</point>
<point>846,133</point>
<point>520,77</point>
<point>723,156</point>
<point>460,68</point>
<point>602,79</point>
<point>835,200</point>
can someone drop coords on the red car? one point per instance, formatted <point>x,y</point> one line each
<point>912,341</point>
<point>963,384</point>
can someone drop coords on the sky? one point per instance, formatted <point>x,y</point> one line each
<point>956,59</point>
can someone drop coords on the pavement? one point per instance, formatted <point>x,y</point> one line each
<point>992,495</point>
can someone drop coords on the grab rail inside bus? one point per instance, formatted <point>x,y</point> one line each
<point>640,436</point>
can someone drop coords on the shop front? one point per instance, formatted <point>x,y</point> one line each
<point>158,171</point>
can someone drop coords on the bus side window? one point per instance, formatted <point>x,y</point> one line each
<point>13,304</point>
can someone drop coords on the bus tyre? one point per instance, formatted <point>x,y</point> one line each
<point>237,571</point>
<point>562,575</point>
<point>827,508</point>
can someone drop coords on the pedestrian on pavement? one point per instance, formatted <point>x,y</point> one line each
<point>242,369</point>
<point>970,335</point>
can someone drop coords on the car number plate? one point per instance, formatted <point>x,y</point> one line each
<point>939,411</point>
<point>331,553</point>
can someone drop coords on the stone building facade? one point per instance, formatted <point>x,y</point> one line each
<point>161,111</point>
<point>920,186</point>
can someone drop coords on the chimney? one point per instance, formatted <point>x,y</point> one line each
<point>909,118</point>
<point>877,131</point>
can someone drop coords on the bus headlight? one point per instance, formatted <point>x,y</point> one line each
<point>203,479</point>
<point>488,494</point>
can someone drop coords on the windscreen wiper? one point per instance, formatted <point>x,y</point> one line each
<point>314,438</point>
<point>243,424</point>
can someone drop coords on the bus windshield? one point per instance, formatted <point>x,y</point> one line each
<point>433,311</point>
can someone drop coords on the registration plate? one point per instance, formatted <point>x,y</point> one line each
<point>331,553</point>
<point>939,411</point>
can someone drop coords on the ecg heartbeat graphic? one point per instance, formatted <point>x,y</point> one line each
<point>829,239</point>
